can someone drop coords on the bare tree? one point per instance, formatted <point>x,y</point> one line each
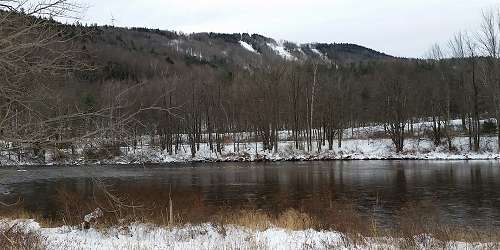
<point>489,39</point>
<point>35,53</point>
<point>464,49</point>
<point>37,60</point>
<point>439,114</point>
<point>312,100</point>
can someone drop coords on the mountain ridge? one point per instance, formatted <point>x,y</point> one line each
<point>242,49</point>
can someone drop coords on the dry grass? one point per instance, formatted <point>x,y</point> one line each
<point>290,219</point>
<point>149,204</point>
<point>248,218</point>
<point>418,219</point>
<point>294,220</point>
<point>14,237</point>
<point>18,212</point>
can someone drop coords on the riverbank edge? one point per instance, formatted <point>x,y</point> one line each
<point>262,158</point>
<point>206,236</point>
<point>352,150</point>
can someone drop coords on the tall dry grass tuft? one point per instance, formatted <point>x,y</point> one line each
<point>342,216</point>
<point>294,220</point>
<point>252,219</point>
<point>290,219</point>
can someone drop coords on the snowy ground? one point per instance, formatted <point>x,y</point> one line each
<point>352,149</point>
<point>140,236</point>
<point>356,149</point>
<point>363,143</point>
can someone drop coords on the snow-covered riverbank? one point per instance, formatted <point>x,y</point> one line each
<point>352,149</point>
<point>205,236</point>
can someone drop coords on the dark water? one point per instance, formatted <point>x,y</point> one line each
<point>464,193</point>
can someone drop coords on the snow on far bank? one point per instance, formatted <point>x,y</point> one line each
<point>361,143</point>
<point>248,47</point>
<point>352,149</point>
<point>355,149</point>
<point>205,236</point>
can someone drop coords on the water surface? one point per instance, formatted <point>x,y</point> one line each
<point>465,193</point>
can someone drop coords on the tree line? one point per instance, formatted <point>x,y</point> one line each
<point>63,86</point>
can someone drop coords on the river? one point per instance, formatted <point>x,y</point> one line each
<point>464,192</point>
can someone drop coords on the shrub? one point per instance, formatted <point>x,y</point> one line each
<point>104,151</point>
<point>58,155</point>
<point>489,127</point>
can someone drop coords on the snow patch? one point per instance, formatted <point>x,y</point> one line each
<point>248,47</point>
<point>93,216</point>
<point>317,52</point>
<point>175,44</point>
<point>281,51</point>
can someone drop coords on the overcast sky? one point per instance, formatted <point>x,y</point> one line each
<point>397,27</point>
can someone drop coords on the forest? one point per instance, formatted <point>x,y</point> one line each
<point>72,89</point>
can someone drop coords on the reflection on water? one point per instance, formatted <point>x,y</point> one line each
<point>465,193</point>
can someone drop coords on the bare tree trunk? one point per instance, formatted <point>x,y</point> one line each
<point>311,114</point>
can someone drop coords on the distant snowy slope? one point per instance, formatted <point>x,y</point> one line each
<point>248,47</point>
<point>280,49</point>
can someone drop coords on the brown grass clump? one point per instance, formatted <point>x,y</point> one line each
<point>343,217</point>
<point>14,238</point>
<point>294,220</point>
<point>290,219</point>
<point>418,221</point>
<point>247,218</point>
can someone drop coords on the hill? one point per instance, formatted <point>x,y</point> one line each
<point>121,47</point>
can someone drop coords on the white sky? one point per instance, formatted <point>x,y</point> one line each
<point>397,27</point>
